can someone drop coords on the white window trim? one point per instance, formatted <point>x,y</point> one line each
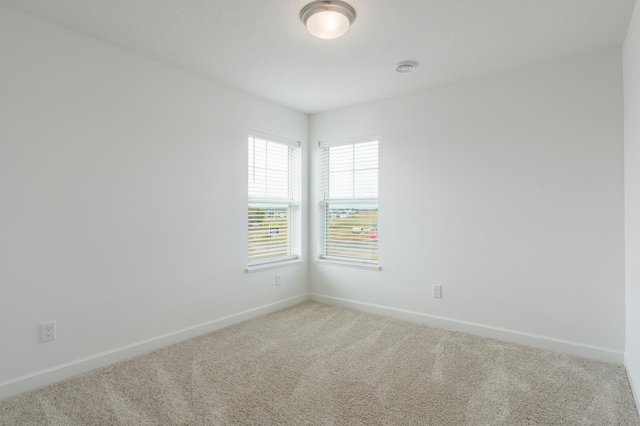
<point>349,263</point>
<point>372,265</point>
<point>289,260</point>
<point>351,141</point>
<point>257,267</point>
<point>274,138</point>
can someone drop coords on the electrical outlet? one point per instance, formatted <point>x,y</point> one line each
<point>278,279</point>
<point>436,291</point>
<point>47,331</point>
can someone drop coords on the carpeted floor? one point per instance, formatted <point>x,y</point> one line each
<point>314,364</point>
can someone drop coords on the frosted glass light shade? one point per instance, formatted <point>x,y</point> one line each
<point>327,19</point>
<point>328,24</point>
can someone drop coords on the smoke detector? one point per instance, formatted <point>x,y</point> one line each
<point>406,66</point>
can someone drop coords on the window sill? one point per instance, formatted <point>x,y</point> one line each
<point>359,265</point>
<point>272,265</point>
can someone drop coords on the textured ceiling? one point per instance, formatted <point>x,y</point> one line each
<point>261,47</point>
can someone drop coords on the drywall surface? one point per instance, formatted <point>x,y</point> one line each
<point>631,68</point>
<point>123,186</point>
<point>507,191</point>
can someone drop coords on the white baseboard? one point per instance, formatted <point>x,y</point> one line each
<point>631,374</point>
<point>536,341</point>
<point>64,371</point>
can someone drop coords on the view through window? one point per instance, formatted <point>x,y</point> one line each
<point>349,187</point>
<point>274,199</point>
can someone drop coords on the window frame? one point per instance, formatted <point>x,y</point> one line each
<point>325,201</point>
<point>292,202</point>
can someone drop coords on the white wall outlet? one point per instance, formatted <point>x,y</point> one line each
<point>278,279</point>
<point>47,331</point>
<point>436,291</point>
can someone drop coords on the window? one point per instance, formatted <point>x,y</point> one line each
<point>274,199</point>
<point>349,205</point>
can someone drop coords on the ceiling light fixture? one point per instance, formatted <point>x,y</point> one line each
<point>327,19</point>
<point>406,66</point>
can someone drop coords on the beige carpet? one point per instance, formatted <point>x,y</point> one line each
<point>314,364</point>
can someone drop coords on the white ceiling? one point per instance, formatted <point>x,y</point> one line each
<point>261,47</point>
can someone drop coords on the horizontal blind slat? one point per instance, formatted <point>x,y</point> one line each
<point>349,190</point>
<point>273,198</point>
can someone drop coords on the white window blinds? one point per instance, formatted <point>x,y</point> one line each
<point>274,199</point>
<point>349,188</point>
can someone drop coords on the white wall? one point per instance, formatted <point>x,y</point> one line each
<point>122,202</point>
<point>506,191</point>
<point>122,199</point>
<point>632,198</point>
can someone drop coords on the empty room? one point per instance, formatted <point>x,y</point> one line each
<point>371,212</point>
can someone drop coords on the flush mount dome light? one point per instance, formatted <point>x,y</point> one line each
<point>406,66</point>
<point>327,19</point>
